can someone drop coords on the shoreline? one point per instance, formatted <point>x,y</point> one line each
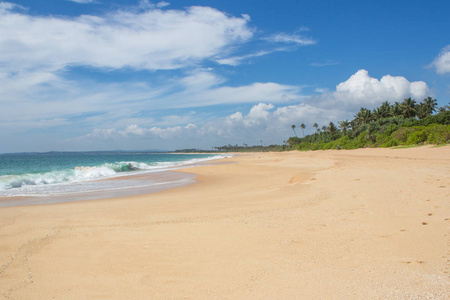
<point>160,181</point>
<point>141,183</point>
<point>365,223</point>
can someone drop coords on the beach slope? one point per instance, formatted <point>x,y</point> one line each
<point>361,224</point>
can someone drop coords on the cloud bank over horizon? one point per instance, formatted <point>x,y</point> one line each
<point>266,121</point>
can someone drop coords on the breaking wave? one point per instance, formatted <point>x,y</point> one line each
<point>82,173</point>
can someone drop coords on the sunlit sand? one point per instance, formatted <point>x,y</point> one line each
<point>361,224</point>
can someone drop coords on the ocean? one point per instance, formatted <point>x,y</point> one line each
<point>35,178</point>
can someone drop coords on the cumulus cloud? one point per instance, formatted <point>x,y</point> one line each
<point>442,62</point>
<point>362,90</point>
<point>36,50</point>
<point>262,122</point>
<point>152,39</point>
<point>130,110</point>
<point>267,122</point>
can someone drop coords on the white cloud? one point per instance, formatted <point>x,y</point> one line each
<point>362,90</point>
<point>442,62</point>
<point>146,4</point>
<point>265,121</point>
<point>7,6</point>
<point>35,51</point>
<point>237,60</point>
<point>115,106</point>
<point>152,39</point>
<point>162,4</point>
<point>32,98</point>
<point>269,91</point>
<point>321,90</point>
<point>201,79</point>
<point>291,39</point>
<point>262,122</point>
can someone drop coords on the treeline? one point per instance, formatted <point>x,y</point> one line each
<point>237,148</point>
<point>404,123</point>
<point>389,125</point>
<point>247,148</point>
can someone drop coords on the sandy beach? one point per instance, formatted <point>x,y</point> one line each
<point>357,224</point>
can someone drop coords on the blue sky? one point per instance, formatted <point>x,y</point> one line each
<point>105,75</point>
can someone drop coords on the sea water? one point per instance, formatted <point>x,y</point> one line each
<point>62,173</point>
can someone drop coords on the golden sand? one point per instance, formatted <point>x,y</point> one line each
<point>359,224</point>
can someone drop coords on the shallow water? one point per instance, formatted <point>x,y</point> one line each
<point>55,177</point>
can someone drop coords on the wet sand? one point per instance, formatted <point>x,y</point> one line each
<point>359,224</point>
<point>139,184</point>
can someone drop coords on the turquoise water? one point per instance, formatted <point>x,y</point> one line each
<point>45,174</point>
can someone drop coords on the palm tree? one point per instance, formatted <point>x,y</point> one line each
<point>364,116</point>
<point>408,107</point>
<point>344,125</point>
<point>383,111</point>
<point>385,107</point>
<point>316,126</point>
<point>396,110</point>
<point>442,109</point>
<point>302,126</point>
<point>353,125</point>
<point>293,128</point>
<point>332,129</point>
<point>377,113</point>
<point>421,111</point>
<point>430,105</point>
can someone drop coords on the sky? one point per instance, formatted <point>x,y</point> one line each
<point>80,75</point>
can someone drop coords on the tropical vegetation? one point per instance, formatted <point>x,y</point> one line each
<point>404,123</point>
<point>399,124</point>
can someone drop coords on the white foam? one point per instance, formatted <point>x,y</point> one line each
<point>80,178</point>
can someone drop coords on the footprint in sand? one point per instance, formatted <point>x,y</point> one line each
<point>417,261</point>
<point>420,261</point>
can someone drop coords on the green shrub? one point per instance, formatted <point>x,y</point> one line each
<point>401,135</point>
<point>390,143</point>
<point>360,141</point>
<point>417,137</point>
<point>442,118</point>
<point>438,134</point>
<point>391,128</point>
